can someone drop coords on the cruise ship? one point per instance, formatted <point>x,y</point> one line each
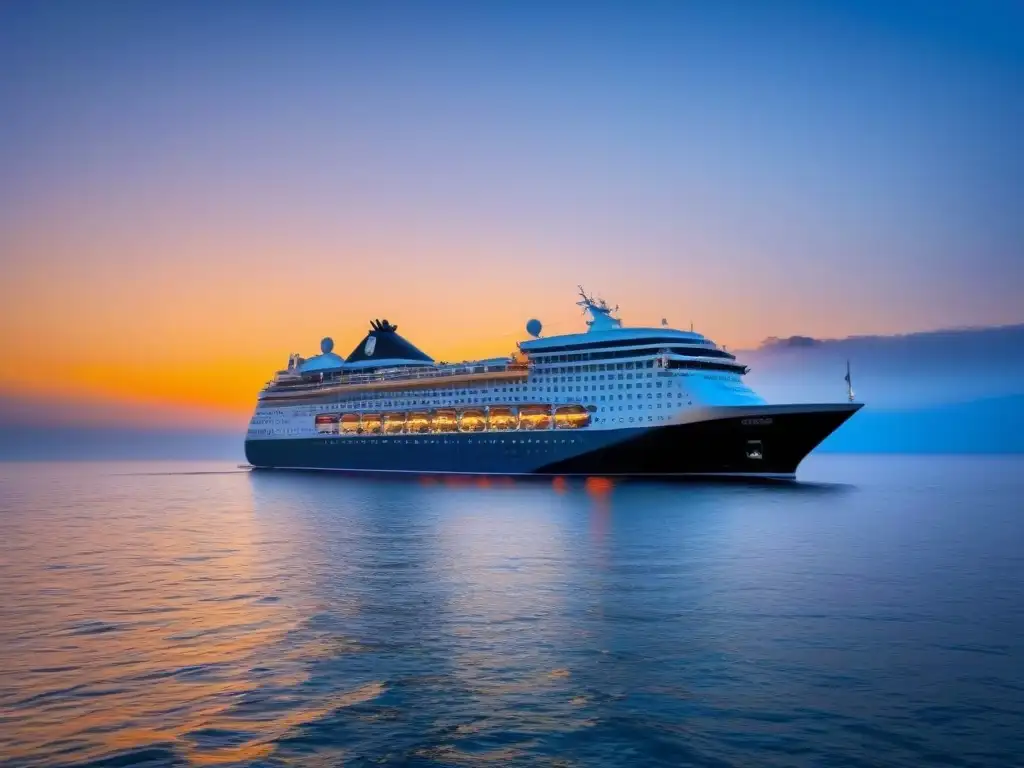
<point>610,401</point>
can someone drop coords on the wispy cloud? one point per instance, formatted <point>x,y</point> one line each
<point>900,371</point>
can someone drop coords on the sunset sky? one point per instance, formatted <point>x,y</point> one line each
<point>189,191</point>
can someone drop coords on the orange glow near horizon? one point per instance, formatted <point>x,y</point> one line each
<point>191,335</point>
<point>207,334</point>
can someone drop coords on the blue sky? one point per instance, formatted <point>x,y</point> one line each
<point>872,144</point>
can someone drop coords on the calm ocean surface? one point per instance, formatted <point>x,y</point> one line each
<point>192,614</point>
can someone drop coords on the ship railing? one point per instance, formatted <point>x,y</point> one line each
<point>400,375</point>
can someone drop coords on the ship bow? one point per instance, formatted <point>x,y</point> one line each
<point>751,441</point>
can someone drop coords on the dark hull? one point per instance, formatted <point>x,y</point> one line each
<point>756,441</point>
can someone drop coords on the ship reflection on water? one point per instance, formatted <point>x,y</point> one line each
<point>290,618</point>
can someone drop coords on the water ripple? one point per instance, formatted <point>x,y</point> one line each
<point>211,617</point>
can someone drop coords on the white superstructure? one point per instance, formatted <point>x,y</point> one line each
<point>621,376</point>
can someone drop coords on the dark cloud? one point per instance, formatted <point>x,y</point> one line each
<point>987,339</point>
<point>792,341</point>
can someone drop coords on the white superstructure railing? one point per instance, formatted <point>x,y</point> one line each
<point>403,374</point>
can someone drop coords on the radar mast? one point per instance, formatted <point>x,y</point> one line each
<point>600,313</point>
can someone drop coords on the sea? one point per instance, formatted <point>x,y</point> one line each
<point>193,613</point>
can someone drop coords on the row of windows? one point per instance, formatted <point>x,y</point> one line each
<point>599,377</point>
<point>357,440</point>
<point>702,365</point>
<point>560,388</point>
<point>500,419</point>
<point>628,419</point>
<point>637,345</point>
<point>599,420</point>
<point>385,439</point>
<point>535,422</point>
<point>594,367</point>
<point>585,392</point>
<point>383,395</point>
<point>262,420</point>
<point>543,357</point>
<point>585,399</point>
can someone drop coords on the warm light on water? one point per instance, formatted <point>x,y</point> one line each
<point>194,613</point>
